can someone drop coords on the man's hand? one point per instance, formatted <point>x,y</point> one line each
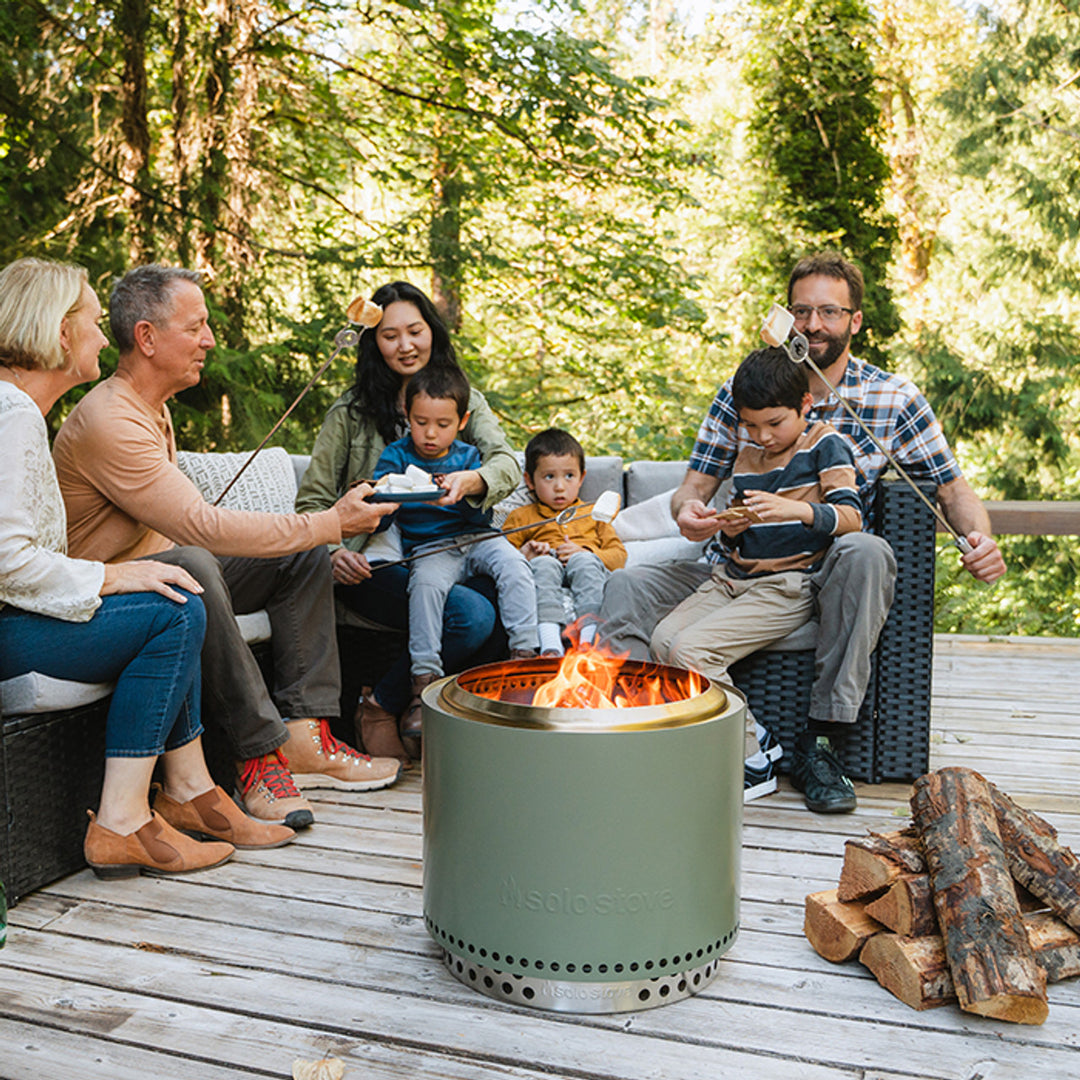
<point>358,516</point>
<point>350,567</point>
<point>531,549</point>
<point>697,521</point>
<point>147,575</point>
<point>984,562</point>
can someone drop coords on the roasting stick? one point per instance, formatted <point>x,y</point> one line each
<point>360,312</point>
<point>775,329</point>
<point>603,509</point>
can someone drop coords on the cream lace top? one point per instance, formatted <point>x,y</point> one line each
<point>35,572</point>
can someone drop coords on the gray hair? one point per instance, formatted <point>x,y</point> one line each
<point>144,294</point>
<point>35,297</point>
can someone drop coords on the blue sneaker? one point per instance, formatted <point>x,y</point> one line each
<point>769,743</point>
<point>758,780</point>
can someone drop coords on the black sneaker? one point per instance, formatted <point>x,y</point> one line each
<point>816,772</point>
<point>758,781</point>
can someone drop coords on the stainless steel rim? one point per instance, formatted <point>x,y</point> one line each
<point>558,995</point>
<point>453,695</point>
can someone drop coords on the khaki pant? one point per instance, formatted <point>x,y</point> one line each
<point>727,618</point>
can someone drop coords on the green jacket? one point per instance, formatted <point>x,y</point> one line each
<point>347,449</point>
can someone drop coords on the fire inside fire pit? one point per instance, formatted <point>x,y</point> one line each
<point>582,829</point>
<point>586,678</point>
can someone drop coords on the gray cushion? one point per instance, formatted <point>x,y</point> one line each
<point>37,693</point>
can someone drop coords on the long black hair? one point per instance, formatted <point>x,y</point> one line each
<point>376,388</point>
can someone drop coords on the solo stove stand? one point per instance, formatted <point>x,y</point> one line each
<point>581,860</point>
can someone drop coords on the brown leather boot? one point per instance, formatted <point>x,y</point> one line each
<point>214,816</point>
<point>411,724</point>
<point>377,732</point>
<point>318,760</point>
<point>156,848</point>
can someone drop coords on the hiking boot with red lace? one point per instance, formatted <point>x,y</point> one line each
<point>267,791</point>
<point>318,760</point>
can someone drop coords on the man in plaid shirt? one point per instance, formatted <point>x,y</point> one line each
<point>825,296</point>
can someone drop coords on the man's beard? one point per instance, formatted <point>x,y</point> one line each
<point>835,344</point>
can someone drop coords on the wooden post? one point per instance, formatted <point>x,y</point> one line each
<point>989,955</point>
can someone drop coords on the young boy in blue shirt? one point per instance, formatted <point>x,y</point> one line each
<point>436,405</point>
<point>793,488</point>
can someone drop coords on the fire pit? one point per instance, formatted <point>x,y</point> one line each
<point>582,857</point>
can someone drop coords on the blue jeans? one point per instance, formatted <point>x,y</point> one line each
<point>468,621</point>
<point>145,642</point>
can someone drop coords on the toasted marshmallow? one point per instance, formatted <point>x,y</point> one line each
<point>777,325</point>
<point>363,312</point>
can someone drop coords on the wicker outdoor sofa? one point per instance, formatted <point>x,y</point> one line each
<point>52,739</point>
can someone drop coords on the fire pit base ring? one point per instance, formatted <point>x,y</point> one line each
<point>581,997</point>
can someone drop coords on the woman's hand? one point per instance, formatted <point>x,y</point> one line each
<point>146,575</point>
<point>350,567</point>
<point>459,485</point>
<point>771,507</point>
<point>531,549</point>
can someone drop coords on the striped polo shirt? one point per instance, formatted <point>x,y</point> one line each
<point>818,469</point>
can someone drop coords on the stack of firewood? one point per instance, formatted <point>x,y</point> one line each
<point>977,903</point>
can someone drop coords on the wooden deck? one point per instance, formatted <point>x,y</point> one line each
<point>318,949</point>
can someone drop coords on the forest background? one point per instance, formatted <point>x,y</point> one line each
<point>603,197</point>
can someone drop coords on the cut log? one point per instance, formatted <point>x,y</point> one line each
<point>915,969</point>
<point>874,862</point>
<point>993,968</point>
<point>907,907</point>
<point>1047,868</point>
<point>836,930</point>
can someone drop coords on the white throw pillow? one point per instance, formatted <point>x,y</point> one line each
<point>268,484</point>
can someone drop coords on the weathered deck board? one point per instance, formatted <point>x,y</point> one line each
<point>319,948</point>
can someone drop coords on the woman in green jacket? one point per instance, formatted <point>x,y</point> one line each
<point>358,427</point>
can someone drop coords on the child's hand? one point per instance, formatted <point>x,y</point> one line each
<point>771,507</point>
<point>566,549</point>
<point>733,527</point>
<point>460,484</point>
<point>532,548</point>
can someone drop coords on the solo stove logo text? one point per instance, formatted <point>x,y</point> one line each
<point>564,902</point>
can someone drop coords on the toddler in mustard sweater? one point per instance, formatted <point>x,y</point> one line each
<point>579,554</point>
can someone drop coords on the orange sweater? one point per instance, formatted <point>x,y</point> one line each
<point>595,536</point>
<point>126,497</point>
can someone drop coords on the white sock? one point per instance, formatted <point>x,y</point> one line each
<point>551,638</point>
<point>588,633</point>
<point>758,760</point>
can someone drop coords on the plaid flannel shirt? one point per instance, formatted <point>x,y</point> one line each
<point>890,405</point>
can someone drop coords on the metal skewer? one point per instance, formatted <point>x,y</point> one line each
<point>564,517</point>
<point>798,350</point>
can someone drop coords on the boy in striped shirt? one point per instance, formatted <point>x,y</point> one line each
<point>793,490</point>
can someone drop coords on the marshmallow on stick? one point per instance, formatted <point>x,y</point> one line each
<point>777,325</point>
<point>364,313</point>
<point>607,506</point>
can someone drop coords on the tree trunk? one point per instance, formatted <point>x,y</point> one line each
<point>990,958</point>
<point>444,236</point>
<point>134,165</point>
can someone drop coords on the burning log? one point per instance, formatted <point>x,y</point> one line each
<point>836,930</point>
<point>876,861</point>
<point>917,972</point>
<point>1047,868</point>
<point>989,956</point>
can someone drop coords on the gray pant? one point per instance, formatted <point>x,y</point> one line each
<point>853,594</point>
<point>431,579</point>
<point>583,572</point>
<point>297,593</point>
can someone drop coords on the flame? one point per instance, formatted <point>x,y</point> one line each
<point>592,677</point>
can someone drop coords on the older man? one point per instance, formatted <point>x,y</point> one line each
<point>126,498</point>
<point>855,585</point>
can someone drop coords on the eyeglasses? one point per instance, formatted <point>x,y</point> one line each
<point>828,313</point>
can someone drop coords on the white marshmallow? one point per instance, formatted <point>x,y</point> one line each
<point>777,325</point>
<point>607,506</point>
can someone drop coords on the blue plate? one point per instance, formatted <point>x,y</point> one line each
<point>406,496</point>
